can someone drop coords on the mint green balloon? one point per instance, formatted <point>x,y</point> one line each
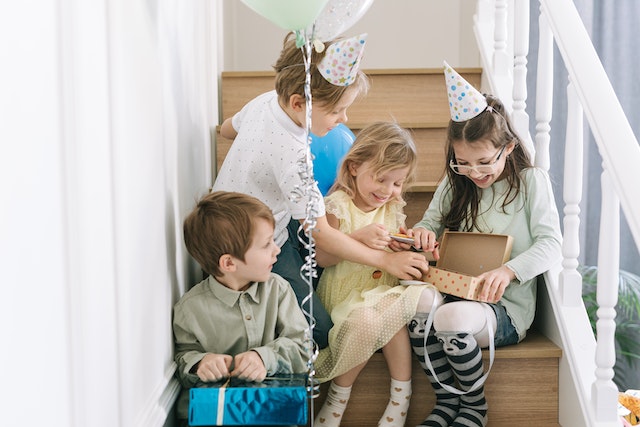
<point>289,14</point>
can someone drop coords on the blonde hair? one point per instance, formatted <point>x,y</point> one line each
<point>386,146</point>
<point>290,77</point>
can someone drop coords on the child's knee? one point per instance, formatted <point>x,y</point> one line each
<point>426,301</point>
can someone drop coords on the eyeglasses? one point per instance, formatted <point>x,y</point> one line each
<point>480,169</point>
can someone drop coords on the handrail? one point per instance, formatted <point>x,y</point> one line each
<point>586,377</point>
<point>608,122</point>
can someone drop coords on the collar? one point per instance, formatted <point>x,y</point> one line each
<point>229,296</point>
<point>298,132</point>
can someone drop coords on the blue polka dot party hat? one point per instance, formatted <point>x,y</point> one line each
<point>465,102</point>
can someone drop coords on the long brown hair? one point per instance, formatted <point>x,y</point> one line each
<point>492,125</point>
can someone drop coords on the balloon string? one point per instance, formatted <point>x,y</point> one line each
<point>307,191</point>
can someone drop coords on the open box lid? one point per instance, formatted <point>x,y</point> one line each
<point>473,253</point>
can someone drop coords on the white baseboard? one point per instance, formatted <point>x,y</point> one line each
<point>160,403</point>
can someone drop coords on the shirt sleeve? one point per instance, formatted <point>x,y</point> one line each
<point>544,228</point>
<point>188,350</point>
<point>433,216</point>
<point>287,352</point>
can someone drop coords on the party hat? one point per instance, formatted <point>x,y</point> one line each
<point>465,102</point>
<point>342,60</point>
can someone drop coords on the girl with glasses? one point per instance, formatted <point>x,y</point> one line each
<point>490,187</point>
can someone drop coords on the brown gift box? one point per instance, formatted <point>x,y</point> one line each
<point>463,256</point>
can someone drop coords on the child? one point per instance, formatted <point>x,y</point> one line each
<point>490,187</point>
<point>270,138</point>
<point>368,308</point>
<point>241,321</point>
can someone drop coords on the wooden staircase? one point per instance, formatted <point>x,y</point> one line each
<point>522,388</point>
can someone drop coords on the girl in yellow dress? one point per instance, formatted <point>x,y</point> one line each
<point>369,309</point>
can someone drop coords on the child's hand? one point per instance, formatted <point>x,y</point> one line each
<point>214,367</point>
<point>396,245</point>
<point>406,265</point>
<point>375,236</point>
<point>425,240</point>
<point>249,366</point>
<point>494,283</point>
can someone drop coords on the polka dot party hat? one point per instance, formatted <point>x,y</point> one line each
<point>465,102</point>
<point>342,60</point>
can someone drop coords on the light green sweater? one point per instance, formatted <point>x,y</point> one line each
<point>532,219</point>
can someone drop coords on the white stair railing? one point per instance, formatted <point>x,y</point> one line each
<point>586,377</point>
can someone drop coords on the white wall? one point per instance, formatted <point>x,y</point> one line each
<point>402,34</point>
<point>104,131</point>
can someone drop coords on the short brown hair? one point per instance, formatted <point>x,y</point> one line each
<point>290,77</point>
<point>222,223</point>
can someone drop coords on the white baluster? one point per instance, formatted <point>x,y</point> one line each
<point>544,93</point>
<point>570,279</point>
<point>520,52</point>
<point>604,393</point>
<point>500,56</point>
<point>484,11</point>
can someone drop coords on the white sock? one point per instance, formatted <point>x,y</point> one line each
<point>396,412</point>
<point>334,405</point>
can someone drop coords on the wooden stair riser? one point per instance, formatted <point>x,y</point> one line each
<point>413,98</point>
<point>429,144</point>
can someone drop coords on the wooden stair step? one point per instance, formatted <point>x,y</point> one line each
<point>429,143</point>
<point>522,388</point>
<point>429,171</point>
<point>402,95</point>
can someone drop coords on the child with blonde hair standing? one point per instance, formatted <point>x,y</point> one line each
<point>369,310</point>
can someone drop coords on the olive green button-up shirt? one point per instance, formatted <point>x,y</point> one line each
<point>211,318</point>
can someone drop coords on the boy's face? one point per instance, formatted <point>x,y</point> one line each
<point>260,257</point>
<point>324,118</point>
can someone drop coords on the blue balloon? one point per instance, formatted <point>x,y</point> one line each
<point>328,152</point>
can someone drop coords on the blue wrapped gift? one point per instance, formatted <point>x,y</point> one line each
<point>278,400</point>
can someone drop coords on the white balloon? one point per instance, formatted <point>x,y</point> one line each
<point>338,16</point>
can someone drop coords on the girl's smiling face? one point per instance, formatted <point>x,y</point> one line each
<point>480,161</point>
<point>374,190</point>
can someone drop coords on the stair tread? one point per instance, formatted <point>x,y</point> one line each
<point>534,345</point>
<point>370,71</point>
<point>522,386</point>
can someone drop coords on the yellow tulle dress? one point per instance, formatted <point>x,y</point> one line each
<point>368,307</point>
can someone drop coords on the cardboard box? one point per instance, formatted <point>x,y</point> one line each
<point>463,256</point>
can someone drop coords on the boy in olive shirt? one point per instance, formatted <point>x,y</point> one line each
<point>242,320</point>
